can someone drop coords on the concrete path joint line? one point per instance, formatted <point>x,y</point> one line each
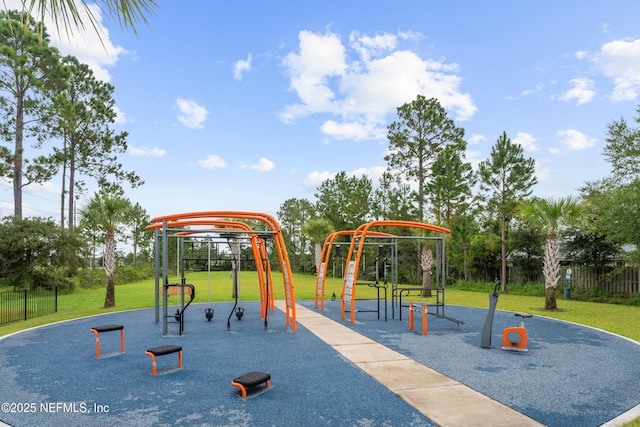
<point>421,398</point>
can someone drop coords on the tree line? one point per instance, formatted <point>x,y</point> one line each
<point>56,104</point>
<point>66,114</point>
<point>491,211</point>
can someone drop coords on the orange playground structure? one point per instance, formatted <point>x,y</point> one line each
<point>223,224</point>
<point>351,270</point>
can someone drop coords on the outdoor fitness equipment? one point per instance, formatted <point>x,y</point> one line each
<point>208,312</point>
<point>485,340</point>
<point>178,290</point>
<point>325,257</point>
<point>170,226</point>
<point>355,255</point>
<point>515,338</point>
<point>235,269</point>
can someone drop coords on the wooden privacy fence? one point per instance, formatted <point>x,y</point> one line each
<point>623,281</point>
<point>27,303</point>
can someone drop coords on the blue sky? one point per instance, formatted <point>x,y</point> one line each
<point>242,105</point>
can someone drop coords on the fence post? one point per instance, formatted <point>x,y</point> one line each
<point>25,304</point>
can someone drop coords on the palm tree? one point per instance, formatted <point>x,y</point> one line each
<point>67,16</point>
<point>551,215</point>
<point>317,230</point>
<point>104,214</point>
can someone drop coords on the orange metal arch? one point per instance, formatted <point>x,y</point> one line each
<point>257,250</point>
<point>273,225</point>
<point>326,255</point>
<point>361,232</point>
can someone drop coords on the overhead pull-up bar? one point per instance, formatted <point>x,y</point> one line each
<point>350,277</point>
<point>187,221</point>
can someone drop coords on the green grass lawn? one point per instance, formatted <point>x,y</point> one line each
<point>619,319</point>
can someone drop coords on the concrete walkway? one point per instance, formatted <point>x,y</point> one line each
<point>443,400</point>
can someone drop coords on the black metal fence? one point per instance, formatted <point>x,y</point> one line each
<point>27,303</point>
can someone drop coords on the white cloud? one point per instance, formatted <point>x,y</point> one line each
<point>121,118</point>
<point>212,161</point>
<point>620,61</point>
<point>353,130</point>
<point>146,151</point>
<point>476,138</point>
<point>363,84</point>
<point>90,47</point>
<point>320,58</point>
<point>542,174</point>
<point>314,179</point>
<point>474,157</point>
<point>242,66</point>
<point>374,173</point>
<point>538,88</point>
<point>191,114</point>
<point>367,46</point>
<point>575,140</point>
<point>526,140</point>
<point>263,165</point>
<point>581,54</point>
<point>411,35</point>
<point>582,91</point>
<point>43,189</point>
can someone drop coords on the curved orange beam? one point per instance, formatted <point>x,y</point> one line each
<point>278,239</point>
<point>362,232</point>
<point>232,225</point>
<point>326,255</point>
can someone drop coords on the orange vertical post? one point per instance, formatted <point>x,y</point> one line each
<point>97,343</point>
<point>411,316</point>
<point>424,319</point>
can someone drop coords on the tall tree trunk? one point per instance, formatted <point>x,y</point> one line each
<point>110,269</point>
<point>550,299</point>
<point>72,181</point>
<point>63,192</point>
<point>551,271</point>
<point>17,160</point>
<point>465,267</point>
<point>426,262</point>
<point>503,257</point>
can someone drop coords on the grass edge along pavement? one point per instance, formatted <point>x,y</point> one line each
<point>619,319</point>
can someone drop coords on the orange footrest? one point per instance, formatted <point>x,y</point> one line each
<point>252,379</point>
<point>161,351</point>
<point>108,328</point>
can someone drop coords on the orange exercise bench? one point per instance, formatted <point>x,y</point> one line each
<point>107,328</point>
<point>161,351</point>
<point>250,380</point>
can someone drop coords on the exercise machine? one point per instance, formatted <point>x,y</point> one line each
<point>485,339</point>
<point>515,338</point>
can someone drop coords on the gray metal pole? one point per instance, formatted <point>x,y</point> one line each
<point>165,274</point>
<point>156,248</point>
<point>485,340</point>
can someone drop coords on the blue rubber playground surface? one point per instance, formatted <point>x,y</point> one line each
<point>571,376</point>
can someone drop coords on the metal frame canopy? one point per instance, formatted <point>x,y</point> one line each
<point>181,224</point>
<point>350,278</point>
